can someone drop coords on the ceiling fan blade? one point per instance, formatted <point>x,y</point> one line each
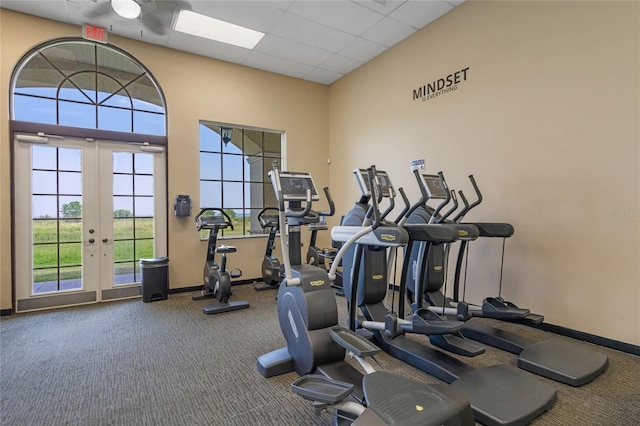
<point>99,10</point>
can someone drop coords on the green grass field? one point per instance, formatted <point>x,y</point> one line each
<point>61,244</point>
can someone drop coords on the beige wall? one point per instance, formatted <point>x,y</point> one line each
<point>547,121</point>
<point>195,88</point>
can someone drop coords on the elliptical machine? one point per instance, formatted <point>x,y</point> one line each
<point>272,270</point>
<point>216,278</point>
<point>308,317</point>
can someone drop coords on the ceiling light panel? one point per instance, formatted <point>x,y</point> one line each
<point>214,29</point>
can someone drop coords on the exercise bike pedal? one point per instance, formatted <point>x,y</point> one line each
<point>236,273</point>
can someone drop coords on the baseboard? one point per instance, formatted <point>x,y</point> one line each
<point>199,287</point>
<point>5,312</point>
<point>591,338</point>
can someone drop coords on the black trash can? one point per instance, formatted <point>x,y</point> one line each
<point>155,279</point>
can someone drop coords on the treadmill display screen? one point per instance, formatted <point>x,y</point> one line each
<point>294,187</point>
<point>383,178</point>
<point>435,188</point>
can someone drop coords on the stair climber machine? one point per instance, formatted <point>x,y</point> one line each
<point>499,395</point>
<point>217,280</point>
<point>559,360</point>
<point>316,344</point>
<point>272,270</point>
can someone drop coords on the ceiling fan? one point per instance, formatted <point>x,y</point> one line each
<point>155,15</point>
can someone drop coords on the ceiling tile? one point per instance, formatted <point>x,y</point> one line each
<point>291,50</point>
<point>340,64</point>
<point>346,16</point>
<point>266,62</point>
<point>388,32</point>
<point>362,50</point>
<point>255,15</point>
<point>209,48</point>
<point>322,76</point>
<point>420,13</point>
<point>309,32</point>
<point>383,6</point>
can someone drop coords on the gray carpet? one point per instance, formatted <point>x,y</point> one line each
<point>165,363</point>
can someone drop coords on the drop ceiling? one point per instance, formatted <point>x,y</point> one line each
<point>318,41</point>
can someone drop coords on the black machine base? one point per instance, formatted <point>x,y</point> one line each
<point>562,361</point>
<point>218,308</point>
<point>500,395</point>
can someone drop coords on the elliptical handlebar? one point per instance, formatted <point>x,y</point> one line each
<point>376,196</point>
<point>407,205</point>
<point>332,206</point>
<point>423,198</point>
<point>467,206</point>
<point>451,210</point>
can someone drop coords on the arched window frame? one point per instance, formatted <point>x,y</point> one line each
<point>98,133</point>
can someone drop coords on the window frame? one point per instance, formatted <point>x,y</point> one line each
<point>246,209</point>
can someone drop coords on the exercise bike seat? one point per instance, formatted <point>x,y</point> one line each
<point>225,249</point>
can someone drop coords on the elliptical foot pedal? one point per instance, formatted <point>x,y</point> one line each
<point>321,389</point>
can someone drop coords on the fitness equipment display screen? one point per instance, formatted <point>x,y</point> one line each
<point>434,186</point>
<point>294,186</point>
<point>383,178</point>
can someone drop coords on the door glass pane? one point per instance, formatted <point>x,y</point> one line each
<point>122,228</point>
<point>43,158</point>
<point>144,227</point>
<point>45,231</point>
<point>144,249</point>
<point>71,278</point>
<point>44,206</point>
<point>143,206</point>
<point>70,183</point>
<point>70,159</point>
<point>44,182</point>
<point>70,206</point>
<point>143,163</point>
<point>143,185</point>
<point>70,230</point>
<point>45,255</point>
<point>45,280</point>
<point>122,250</point>
<point>122,185</point>
<point>122,162</point>
<point>122,206</point>
<point>70,254</point>
<point>124,273</point>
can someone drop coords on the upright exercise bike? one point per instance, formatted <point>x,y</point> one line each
<point>216,278</point>
<point>272,270</point>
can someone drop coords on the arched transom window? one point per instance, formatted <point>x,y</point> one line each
<point>78,83</point>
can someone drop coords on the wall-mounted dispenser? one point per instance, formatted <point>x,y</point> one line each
<point>182,205</point>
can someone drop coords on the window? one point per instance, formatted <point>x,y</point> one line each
<point>234,163</point>
<point>78,83</point>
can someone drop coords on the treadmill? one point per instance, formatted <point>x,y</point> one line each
<point>499,395</point>
<point>555,359</point>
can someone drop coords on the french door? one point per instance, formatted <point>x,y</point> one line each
<point>86,211</point>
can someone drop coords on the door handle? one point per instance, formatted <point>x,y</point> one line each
<point>105,240</point>
<point>91,240</point>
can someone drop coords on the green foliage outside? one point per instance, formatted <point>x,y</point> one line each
<point>69,247</point>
